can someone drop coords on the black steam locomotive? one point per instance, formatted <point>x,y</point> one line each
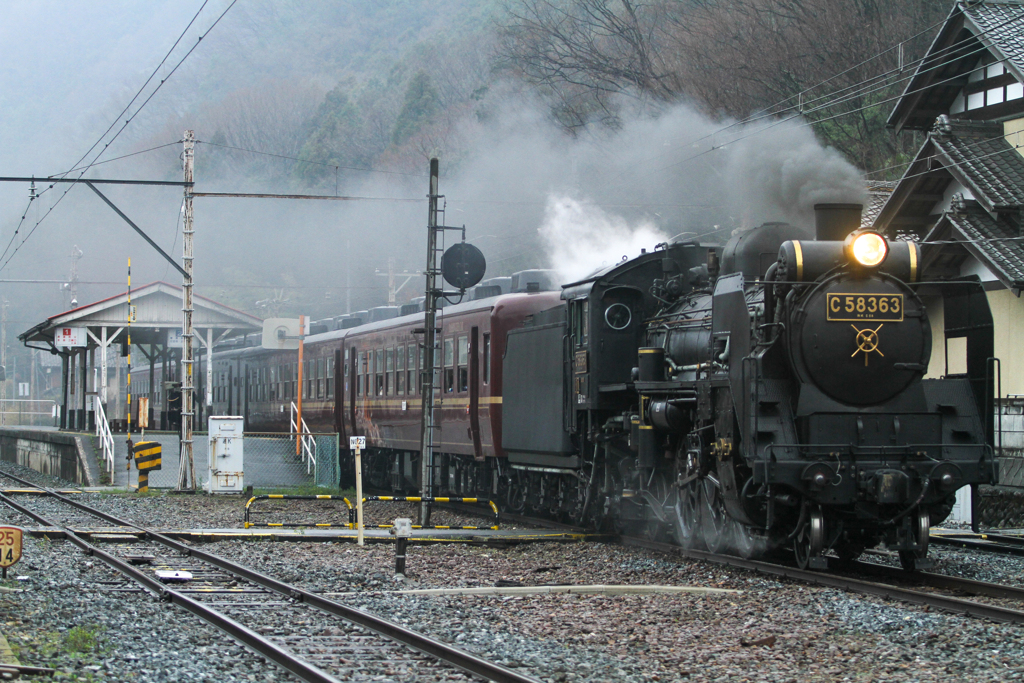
<point>767,396</point>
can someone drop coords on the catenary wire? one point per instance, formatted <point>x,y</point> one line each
<point>910,75</point>
<point>120,130</point>
<point>123,156</point>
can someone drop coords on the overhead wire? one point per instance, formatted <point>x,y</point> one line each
<point>127,121</point>
<point>816,121</point>
<point>866,89</point>
<point>123,156</point>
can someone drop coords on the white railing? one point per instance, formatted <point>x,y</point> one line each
<point>106,438</point>
<point>308,451</point>
<point>29,412</point>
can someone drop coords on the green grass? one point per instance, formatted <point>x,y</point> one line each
<point>82,639</point>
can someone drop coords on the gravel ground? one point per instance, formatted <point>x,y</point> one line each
<point>771,631</point>
<point>967,564</point>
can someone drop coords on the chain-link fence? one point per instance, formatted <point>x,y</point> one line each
<point>269,461</point>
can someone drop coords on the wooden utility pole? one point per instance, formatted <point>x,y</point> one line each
<point>187,468</point>
<point>428,381</point>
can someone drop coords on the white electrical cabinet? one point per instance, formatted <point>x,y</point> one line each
<point>226,462</point>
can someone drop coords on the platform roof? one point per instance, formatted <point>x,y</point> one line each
<point>157,312</point>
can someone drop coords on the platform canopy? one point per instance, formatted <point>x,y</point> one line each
<point>79,335</point>
<point>157,318</point>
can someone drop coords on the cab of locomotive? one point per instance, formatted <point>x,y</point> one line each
<point>607,316</point>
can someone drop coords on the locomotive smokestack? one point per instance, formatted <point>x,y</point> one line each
<point>834,222</point>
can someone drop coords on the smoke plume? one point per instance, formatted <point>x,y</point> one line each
<point>580,238</point>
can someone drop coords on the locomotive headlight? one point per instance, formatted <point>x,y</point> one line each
<point>869,249</point>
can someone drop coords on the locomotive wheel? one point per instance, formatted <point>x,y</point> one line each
<point>810,540</point>
<point>741,541</point>
<point>516,493</point>
<point>909,558</point>
<point>686,515</point>
<point>714,520</point>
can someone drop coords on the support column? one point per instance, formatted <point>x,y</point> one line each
<point>65,369</point>
<point>165,358</point>
<point>83,390</point>
<point>72,409</point>
<point>103,368</point>
<point>152,387</point>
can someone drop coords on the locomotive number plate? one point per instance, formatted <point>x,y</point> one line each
<point>854,307</point>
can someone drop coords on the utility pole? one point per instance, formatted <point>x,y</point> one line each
<point>348,279</point>
<point>186,467</point>
<point>428,379</point>
<point>391,281</point>
<point>76,254</point>
<point>391,275</point>
<point>3,360</point>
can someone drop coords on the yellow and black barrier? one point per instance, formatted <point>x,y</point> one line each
<point>352,513</point>
<point>285,496</point>
<point>425,499</point>
<point>147,458</point>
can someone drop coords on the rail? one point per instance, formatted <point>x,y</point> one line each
<point>306,671</point>
<point>308,441</point>
<point>106,438</point>
<point>351,524</point>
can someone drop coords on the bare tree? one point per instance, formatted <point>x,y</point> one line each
<point>732,58</point>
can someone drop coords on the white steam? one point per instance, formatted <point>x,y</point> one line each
<point>581,238</point>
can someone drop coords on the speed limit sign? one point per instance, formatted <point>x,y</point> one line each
<point>10,547</point>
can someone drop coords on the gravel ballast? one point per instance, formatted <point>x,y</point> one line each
<point>770,631</point>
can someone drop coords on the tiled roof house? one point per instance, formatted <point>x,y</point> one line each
<point>963,194</point>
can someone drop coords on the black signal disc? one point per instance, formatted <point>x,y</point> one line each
<point>861,340</point>
<point>463,265</point>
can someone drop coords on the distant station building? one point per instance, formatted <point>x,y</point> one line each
<point>963,194</point>
<point>92,341</point>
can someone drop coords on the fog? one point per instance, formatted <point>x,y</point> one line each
<point>529,194</point>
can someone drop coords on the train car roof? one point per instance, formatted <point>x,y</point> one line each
<point>411,319</point>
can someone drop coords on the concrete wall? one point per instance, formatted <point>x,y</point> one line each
<point>51,453</point>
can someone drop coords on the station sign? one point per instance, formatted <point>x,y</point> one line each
<point>174,339</point>
<point>70,337</point>
<point>10,547</point>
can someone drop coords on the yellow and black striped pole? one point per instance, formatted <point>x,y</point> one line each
<point>129,385</point>
<point>147,457</point>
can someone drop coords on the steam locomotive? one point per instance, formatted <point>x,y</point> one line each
<point>762,396</point>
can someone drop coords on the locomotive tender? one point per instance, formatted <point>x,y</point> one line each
<point>765,395</point>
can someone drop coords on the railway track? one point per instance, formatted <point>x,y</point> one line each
<point>990,542</point>
<point>899,584</point>
<point>891,589</point>
<point>279,621</point>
